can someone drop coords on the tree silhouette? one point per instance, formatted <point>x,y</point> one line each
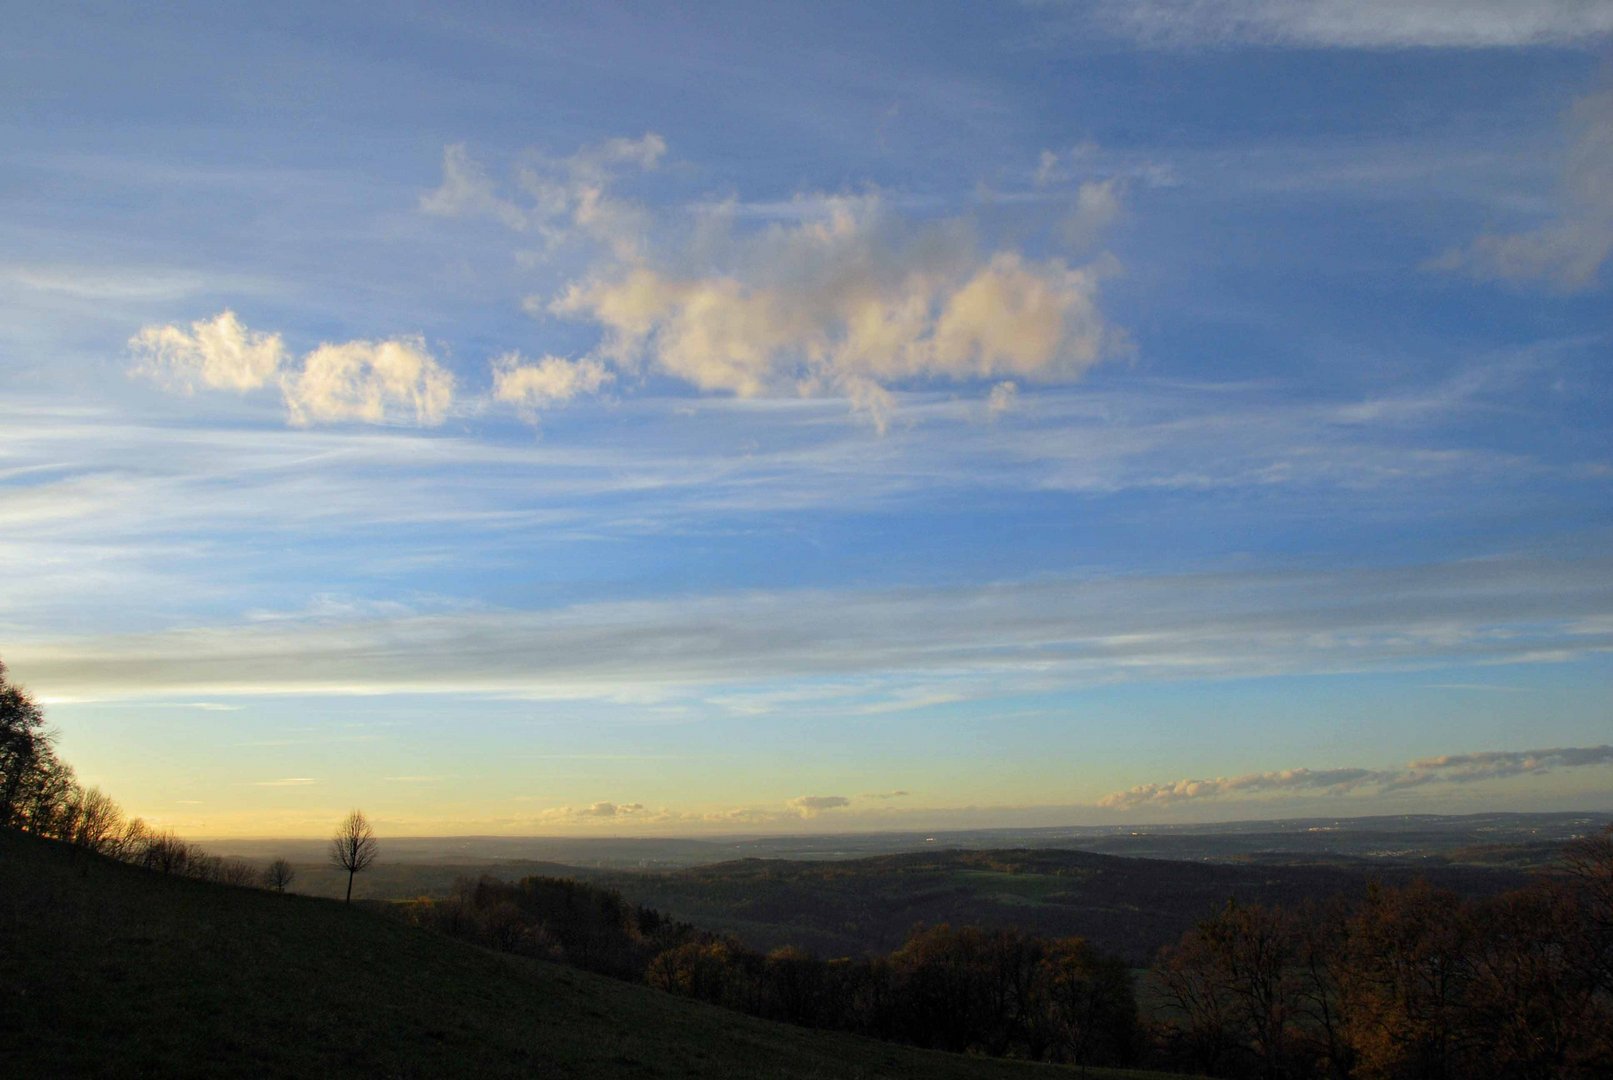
<point>278,875</point>
<point>353,847</point>
<point>24,746</point>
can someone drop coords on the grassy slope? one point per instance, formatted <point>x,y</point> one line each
<point>112,971</point>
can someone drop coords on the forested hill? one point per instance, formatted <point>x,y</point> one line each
<point>110,970</point>
<point>1127,906</point>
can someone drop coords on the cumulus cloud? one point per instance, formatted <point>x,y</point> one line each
<point>848,301</point>
<point>1446,769</point>
<point>217,353</point>
<point>610,809</point>
<point>823,295</point>
<point>550,381</point>
<point>603,812</point>
<point>392,381</point>
<point>1359,24</point>
<point>374,381</point>
<point>813,805</point>
<point>1569,251</point>
<point>1287,780</point>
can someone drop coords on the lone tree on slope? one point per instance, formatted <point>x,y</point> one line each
<point>353,847</point>
<point>278,875</point>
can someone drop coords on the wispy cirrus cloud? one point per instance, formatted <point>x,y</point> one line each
<point>1289,783</point>
<point>1355,24</point>
<point>1051,632</point>
<point>557,198</point>
<point>1571,250</point>
<point>608,814</point>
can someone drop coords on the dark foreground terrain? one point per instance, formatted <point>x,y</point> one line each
<point>110,970</point>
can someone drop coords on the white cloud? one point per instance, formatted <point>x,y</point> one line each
<point>373,381</point>
<point>1569,251</point>
<point>1446,769</point>
<point>827,295</point>
<point>1359,24</point>
<point>813,805</point>
<point>1495,764</point>
<point>393,381</point>
<point>610,810</point>
<point>550,381</point>
<point>848,301</point>
<point>217,353</point>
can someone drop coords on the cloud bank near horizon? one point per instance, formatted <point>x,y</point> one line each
<point>1289,783</point>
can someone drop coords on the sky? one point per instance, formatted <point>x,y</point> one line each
<point>635,419</point>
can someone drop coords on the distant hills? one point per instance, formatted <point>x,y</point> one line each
<point>1127,906</point>
<point>849,895</point>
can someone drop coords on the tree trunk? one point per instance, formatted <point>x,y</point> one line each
<point>349,887</point>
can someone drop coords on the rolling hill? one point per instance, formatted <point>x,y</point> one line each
<point>109,970</point>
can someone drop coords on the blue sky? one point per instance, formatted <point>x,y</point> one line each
<point>803,417</point>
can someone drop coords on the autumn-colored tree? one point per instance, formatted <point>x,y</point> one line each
<point>1588,876</point>
<point>1233,979</point>
<point>1532,1003</point>
<point>1321,931</point>
<point>1407,983</point>
<point>1085,1006</point>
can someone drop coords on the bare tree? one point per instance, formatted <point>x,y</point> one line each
<point>278,875</point>
<point>353,847</point>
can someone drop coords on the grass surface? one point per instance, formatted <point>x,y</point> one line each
<point>107,970</point>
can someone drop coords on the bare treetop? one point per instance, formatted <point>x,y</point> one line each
<point>353,847</point>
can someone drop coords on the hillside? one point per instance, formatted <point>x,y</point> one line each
<point>1128,906</point>
<point>108,970</point>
